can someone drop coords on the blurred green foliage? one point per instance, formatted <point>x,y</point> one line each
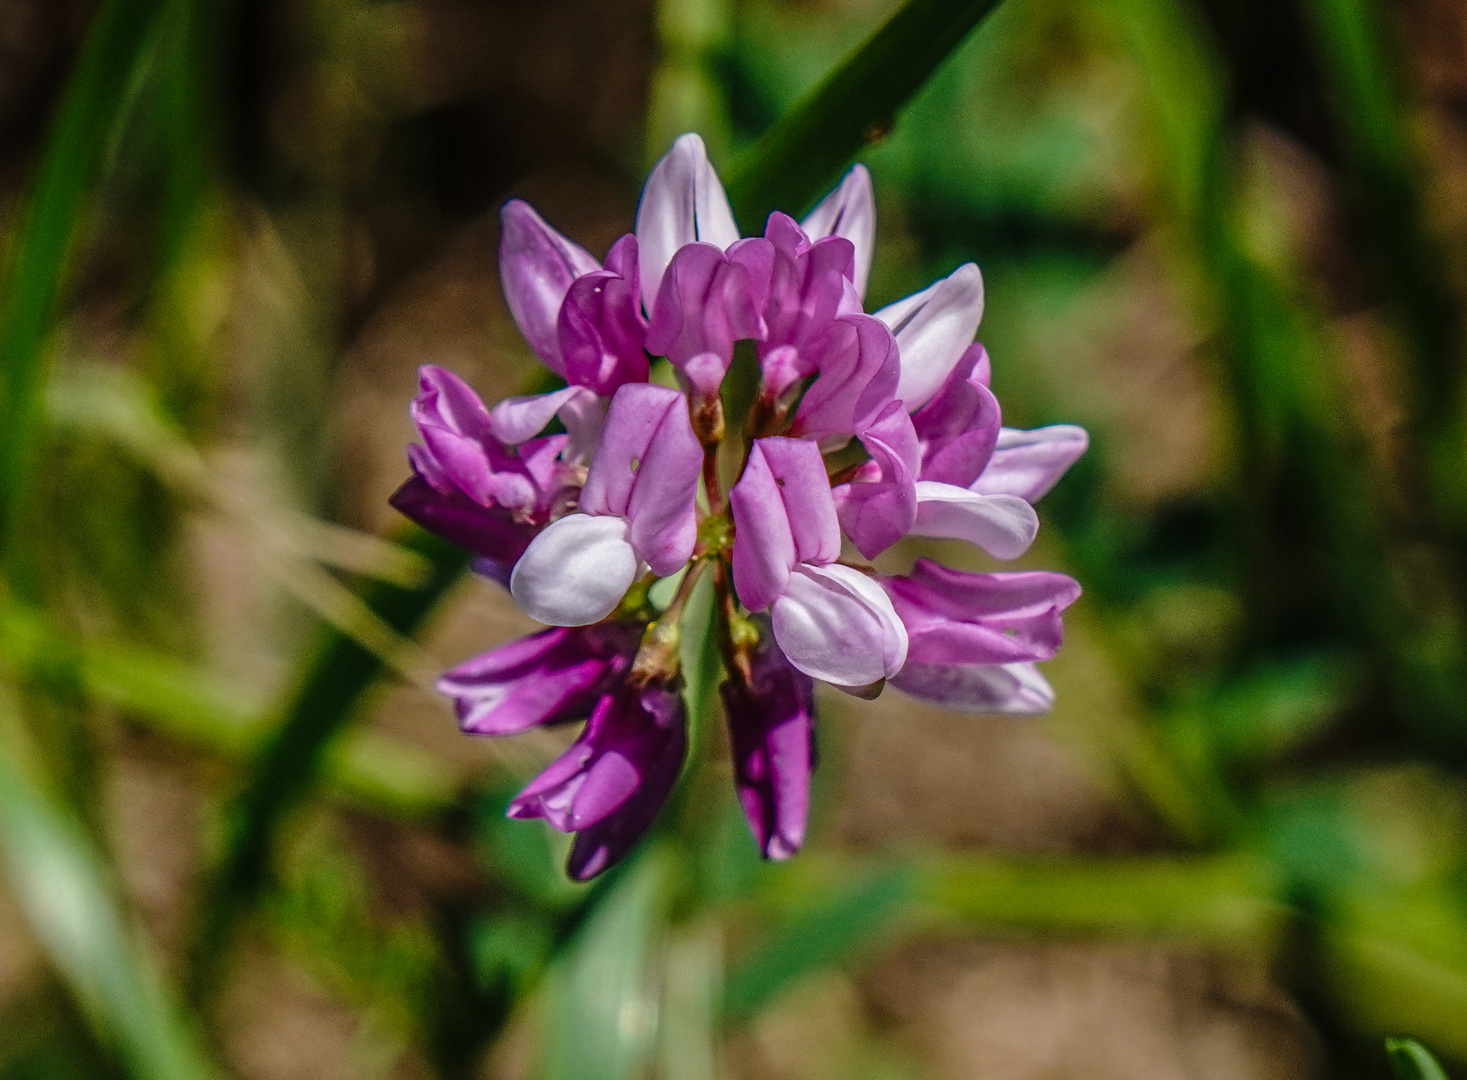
<point>1286,622</point>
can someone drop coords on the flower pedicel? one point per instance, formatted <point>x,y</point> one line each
<point>579,525</point>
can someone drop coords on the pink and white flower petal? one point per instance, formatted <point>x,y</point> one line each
<point>1002,525</point>
<point>932,329</point>
<point>519,419</point>
<point>536,267</point>
<point>576,571</point>
<point>1029,463</point>
<point>682,203</point>
<point>783,514</point>
<point>1009,689</point>
<point>837,624</point>
<point>850,212</point>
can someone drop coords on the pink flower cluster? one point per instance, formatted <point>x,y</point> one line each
<point>864,429</point>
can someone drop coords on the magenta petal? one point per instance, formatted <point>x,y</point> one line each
<point>858,364</point>
<point>536,267</point>
<point>959,427</point>
<point>764,543</point>
<point>636,412</point>
<point>601,328</point>
<point>878,512</point>
<point>519,419</point>
<point>771,728</point>
<point>849,212</point>
<point>663,505</point>
<point>708,300</point>
<point>799,474</point>
<point>807,286</point>
<point>1029,463</point>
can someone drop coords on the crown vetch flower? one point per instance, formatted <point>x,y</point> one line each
<point>581,523</point>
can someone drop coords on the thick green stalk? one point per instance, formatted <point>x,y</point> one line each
<point>799,157</point>
<point>115,50</point>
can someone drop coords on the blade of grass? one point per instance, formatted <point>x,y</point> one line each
<point>799,156</point>
<point>62,885</point>
<point>115,49</point>
<point>1412,1061</point>
<point>333,682</point>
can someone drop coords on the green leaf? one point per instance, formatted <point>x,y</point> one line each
<point>1412,1061</point>
<point>600,1008</point>
<point>115,51</point>
<point>799,156</point>
<point>63,887</point>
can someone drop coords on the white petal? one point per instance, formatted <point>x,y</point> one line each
<point>849,211</point>
<point>1012,689</point>
<point>682,202</point>
<point>835,623</point>
<point>932,328</point>
<point>575,572</point>
<point>1002,525</point>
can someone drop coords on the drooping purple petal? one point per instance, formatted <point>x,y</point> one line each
<point>601,329</point>
<point>576,571</point>
<point>850,212</point>
<point>783,514</point>
<point>682,203</point>
<point>1002,525</point>
<point>610,784</point>
<point>836,624</point>
<point>1008,689</point>
<point>771,728</point>
<point>932,329</point>
<point>546,678</point>
<point>492,532</point>
<point>959,427</point>
<point>1028,463</point>
<point>880,506</point>
<point>536,267</point>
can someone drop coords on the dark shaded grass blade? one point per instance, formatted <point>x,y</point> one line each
<point>116,47</point>
<point>1412,1061</point>
<point>796,159</point>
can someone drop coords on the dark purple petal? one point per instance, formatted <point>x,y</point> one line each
<point>610,784</point>
<point>771,728</point>
<point>542,679</point>
<point>492,532</point>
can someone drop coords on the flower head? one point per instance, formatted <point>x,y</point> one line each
<point>580,520</point>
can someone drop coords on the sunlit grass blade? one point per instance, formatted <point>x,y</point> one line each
<point>799,156</point>
<point>63,887</point>
<point>116,47</point>
<point>600,1004</point>
<point>1412,1061</point>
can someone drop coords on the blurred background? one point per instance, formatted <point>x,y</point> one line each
<point>242,837</point>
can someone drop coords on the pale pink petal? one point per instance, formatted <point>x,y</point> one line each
<point>536,267</point>
<point>1011,689</point>
<point>1029,463</point>
<point>1002,525</point>
<point>683,202</point>
<point>835,623</point>
<point>932,328</point>
<point>850,212</point>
